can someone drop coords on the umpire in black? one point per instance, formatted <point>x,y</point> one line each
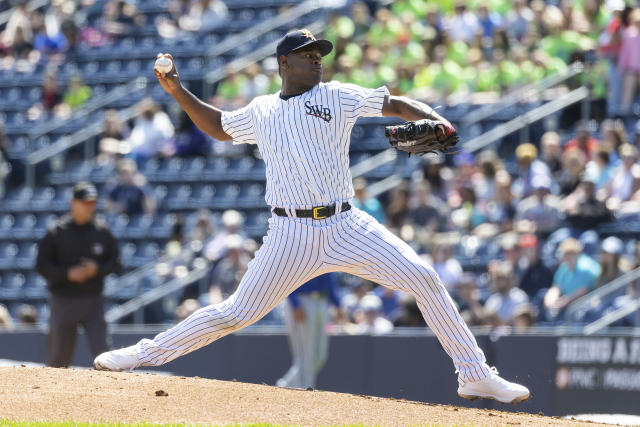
<point>74,257</point>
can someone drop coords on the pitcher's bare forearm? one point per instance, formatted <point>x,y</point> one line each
<point>205,116</point>
<point>408,109</point>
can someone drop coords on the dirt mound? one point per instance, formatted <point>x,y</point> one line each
<point>46,394</point>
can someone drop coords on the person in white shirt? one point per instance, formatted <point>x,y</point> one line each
<point>303,133</point>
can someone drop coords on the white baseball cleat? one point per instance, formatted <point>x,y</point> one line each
<point>494,387</point>
<point>124,359</point>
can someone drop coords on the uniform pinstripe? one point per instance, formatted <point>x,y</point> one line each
<point>305,143</point>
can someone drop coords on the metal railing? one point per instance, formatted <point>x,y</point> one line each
<point>522,94</point>
<point>116,313</point>
<point>525,120</point>
<point>583,303</point>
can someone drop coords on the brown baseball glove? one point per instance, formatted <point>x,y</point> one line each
<point>423,136</point>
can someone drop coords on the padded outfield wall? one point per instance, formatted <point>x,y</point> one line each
<point>566,374</point>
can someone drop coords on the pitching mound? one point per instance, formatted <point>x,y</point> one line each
<point>46,394</point>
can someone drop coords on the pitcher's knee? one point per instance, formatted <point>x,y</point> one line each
<point>429,279</point>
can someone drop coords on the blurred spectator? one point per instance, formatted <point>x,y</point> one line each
<point>232,222</point>
<point>463,25</point>
<point>426,211</point>
<point>74,257</point>
<point>518,20</point>
<point>610,260</point>
<point>626,177</point>
<point>390,302</point>
<point>447,267</point>
<point>48,39</point>
<point>600,170</point>
<point>111,142</point>
<point>610,41</point>
<point>369,319</point>
<point>489,20</point>
<point>188,140</point>
<point>204,15</point>
<point>27,316</point>
<point>409,312</point>
<point>185,309</point>
<point>575,277</point>
<point>398,208</point>
<point>583,141</point>
<point>203,229</point>
<point>629,60</point>
<point>536,275</point>
<point>349,303</point>
<point>307,316</point>
<point>6,322</point>
<point>502,210</point>
<point>21,47</point>
<point>370,205</point>
<point>130,194</point>
<point>18,22</point>
<point>500,308</point>
<point>468,296</point>
<point>77,93</point>
<point>227,273</point>
<point>541,211</point>
<point>51,94</point>
<point>152,128</point>
<point>529,167</point>
<point>524,317</point>
<point>551,153</point>
<point>5,166</point>
<point>583,210</point>
<point>573,166</point>
<point>120,18</point>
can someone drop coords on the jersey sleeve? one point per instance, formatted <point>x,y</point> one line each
<point>238,124</point>
<point>362,102</point>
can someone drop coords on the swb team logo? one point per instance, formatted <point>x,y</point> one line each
<point>318,111</point>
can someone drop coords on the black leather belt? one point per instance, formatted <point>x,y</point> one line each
<point>319,212</point>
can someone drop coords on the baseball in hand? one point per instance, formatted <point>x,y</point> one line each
<point>163,65</point>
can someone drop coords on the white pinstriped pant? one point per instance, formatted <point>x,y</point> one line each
<point>297,249</point>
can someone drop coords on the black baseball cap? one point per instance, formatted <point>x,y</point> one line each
<point>85,191</point>
<point>296,39</point>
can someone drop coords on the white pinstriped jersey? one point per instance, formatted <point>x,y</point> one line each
<point>304,140</point>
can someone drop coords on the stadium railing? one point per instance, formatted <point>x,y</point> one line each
<point>608,291</point>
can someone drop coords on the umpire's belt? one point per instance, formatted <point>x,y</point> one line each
<point>319,212</point>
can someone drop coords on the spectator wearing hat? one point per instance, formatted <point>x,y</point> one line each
<point>74,257</point>
<point>505,297</point>
<point>583,141</point>
<point>610,256</point>
<point>227,273</point>
<point>575,277</point>
<point>626,177</point>
<point>369,318</point>
<point>232,222</point>
<point>529,167</point>
<point>541,211</point>
<point>130,194</point>
<point>583,210</point>
<point>536,276</point>
<point>151,130</point>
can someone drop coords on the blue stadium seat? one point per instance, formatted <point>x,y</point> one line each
<point>7,222</point>
<point>8,253</point>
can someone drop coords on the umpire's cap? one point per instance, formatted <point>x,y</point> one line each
<point>85,191</point>
<point>296,39</point>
